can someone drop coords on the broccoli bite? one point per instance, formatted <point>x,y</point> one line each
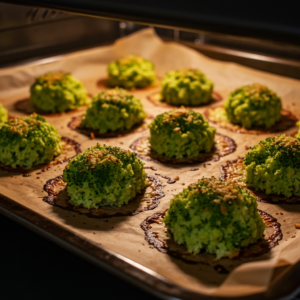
<point>253,106</point>
<point>131,72</point>
<point>113,110</point>
<point>273,166</point>
<point>28,141</point>
<point>58,92</point>
<point>215,216</point>
<point>104,176</point>
<point>3,115</point>
<point>187,87</point>
<point>181,133</point>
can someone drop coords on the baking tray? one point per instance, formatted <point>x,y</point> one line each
<point>120,265</point>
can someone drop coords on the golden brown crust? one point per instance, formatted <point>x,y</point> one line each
<point>156,99</point>
<point>156,235</point>
<point>74,124</point>
<point>287,121</point>
<point>70,149</point>
<point>26,107</point>
<point>233,171</point>
<point>147,200</point>
<point>104,84</point>
<point>223,146</point>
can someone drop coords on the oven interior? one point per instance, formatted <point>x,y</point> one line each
<point>30,33</point>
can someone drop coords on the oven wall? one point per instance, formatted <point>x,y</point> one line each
<point>30,33</point>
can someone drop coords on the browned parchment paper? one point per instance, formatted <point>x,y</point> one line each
<point>123,234</point>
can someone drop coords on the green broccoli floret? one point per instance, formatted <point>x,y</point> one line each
<point>253,106</point>
<point>216,216</point>
<point>181,133</point>
<point>58,92</point>
<point>188,87</point>
<point>104,175</point>
<point>28,141</point>
<point>113,110</point>
<point>273,166</point>
<point>131,72</point>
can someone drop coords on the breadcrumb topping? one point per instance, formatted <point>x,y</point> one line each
<point>173,117</point>
<point>191,73</point>
<point>286,141</point>
<point>130,59</point>
<point>114,95</point>
<point>225,190</point>
<point>22,126</point>
<point>50,78</point>
<point>259,91</point>
<point>96,156</point>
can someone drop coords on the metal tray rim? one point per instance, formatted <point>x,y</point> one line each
<point>133,272</point>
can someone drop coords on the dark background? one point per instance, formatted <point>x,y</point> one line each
<point>35,269</point>
<point>266,19</point>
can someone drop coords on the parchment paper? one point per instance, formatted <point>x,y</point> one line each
<point>123,234</point>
